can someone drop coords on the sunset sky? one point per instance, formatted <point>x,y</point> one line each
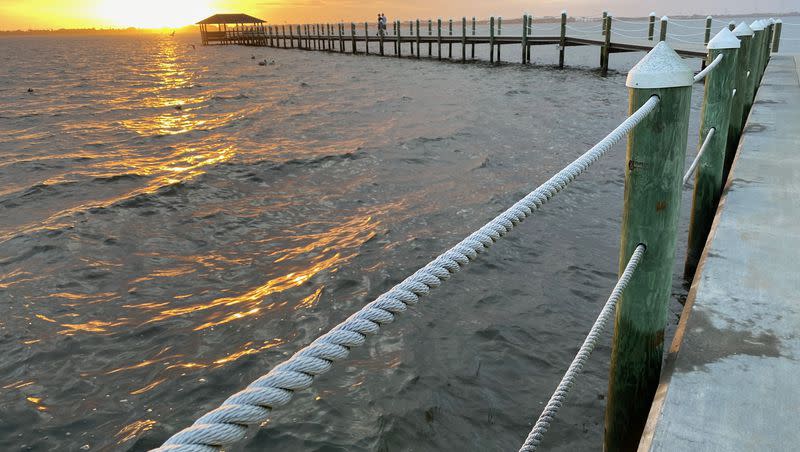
<point>24,14</point>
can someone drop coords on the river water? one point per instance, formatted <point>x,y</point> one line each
<point>175,220</point>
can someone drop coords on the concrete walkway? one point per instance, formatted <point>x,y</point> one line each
<point>732,379</point>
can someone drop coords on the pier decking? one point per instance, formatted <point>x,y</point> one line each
<point>730,382</point>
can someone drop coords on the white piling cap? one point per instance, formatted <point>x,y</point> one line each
<point>757,26</point>
<point>709,17</point>
<point>563,11</point>
<point>653,14</point>
<point>772,21</point>
<point>743,30</point>
<point>660,68</point>
<point>778,21</point>
<point>664,19</point>
<point>725,39</point>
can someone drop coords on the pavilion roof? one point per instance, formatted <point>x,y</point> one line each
<point>231,19</point>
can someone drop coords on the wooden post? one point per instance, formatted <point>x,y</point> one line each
<point>530,36</point>
<point>450,39</point>
<point>491,40</point>
<point>394,32</point>
<point>430,33</point>
<point>776,39</point>
<point>716,115</point>
<point>524,37</point>
<point>463,39</point>
<point>472,50</point>
<point>291,37</point>
<point>381,34</point>
<point>603,23</point>
<point>745,36</point>
<point>663,35</point>
<point>731,25</point>
<point>606,47</point>
<point>499,32</point>
<point>418,51</point>
<point>353,35</point>
<point>757,51</point>
<point>439,38</point>
<point>399,47</point>
<point>366,38</point>
<point>651,26</point>
<point>562,43</point>
<point>653,172</point>
<point>707,34</point>
<point>411,33</point>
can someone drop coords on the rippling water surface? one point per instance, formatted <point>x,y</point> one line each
<point>174,221</point>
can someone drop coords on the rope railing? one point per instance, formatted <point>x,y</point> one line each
<point>557,399</point>
<point>696,160</point>
<point>228,423</point>
<point>702,74</point>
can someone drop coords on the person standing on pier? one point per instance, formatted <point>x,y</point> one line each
<point>381,24</point>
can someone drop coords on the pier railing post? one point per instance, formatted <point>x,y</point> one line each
<point>524,37</point>
<point>439,38</point>
<point>562,43</point>
<point>606,49</point>
<point>353,36</point>
<point>450,39</point>
<point>366,38</point>
<point>418,40</point>
<point>491,40</point>
<point>463,39</point>
<point>739,103</point>
<point>530,39</point>
<point>411,35</point>
<point>707,34</point>
<point>399,41</point>
<point>776,39</point>
<point>653,172</point>
<point>716,116</point>
<point>651,26</point>
<point>603,23</point>
<point>662,36</point>
<point>472,50</point>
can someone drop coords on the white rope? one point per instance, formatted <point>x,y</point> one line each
<point>683,40</point>
<point>624,35</point>
<point>702,74</point>
<point>228,423</point>
<point>635,30</point>
<point>692,167</point>
<point>631,22</point>
<point>673,22</point>
<point>557,399</point>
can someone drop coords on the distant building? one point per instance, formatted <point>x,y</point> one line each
<point>231,29</point>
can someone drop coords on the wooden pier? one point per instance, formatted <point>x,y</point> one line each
<point>435,39</point>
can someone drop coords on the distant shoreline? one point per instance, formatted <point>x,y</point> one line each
<point>515,20</point>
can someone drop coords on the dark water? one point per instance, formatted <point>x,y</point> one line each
<point>154,260</point>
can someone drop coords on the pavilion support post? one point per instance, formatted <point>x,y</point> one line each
<point>653,178</point>
<point>562,43</point>
<point>716,117</point>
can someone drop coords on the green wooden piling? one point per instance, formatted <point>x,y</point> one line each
<point>707,34</point>
<point>430,33</point>
<point>603,23</point>
<point>562,43</point>
<point>662,36</point>
<point>491,40</point>
<point>731,25</point>
<point>653,172</point>
<point>463,39</point>
<point>499,26</point>
<point>472,50</point>
<point>776,39</point>
<point>524,37</point>
<point>353,36</point>
<point>439,38</point>
<point>450,40</point>
<point>606,49</point>
<point>716,115</point>
<point>651,26</point>
<point>291,37</point>
<point>745,36</point>
<point>756,51</point>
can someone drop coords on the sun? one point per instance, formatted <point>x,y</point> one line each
<point>153,13</point>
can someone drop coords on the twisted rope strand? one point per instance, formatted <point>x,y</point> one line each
<point>702,74</point>
<point>557,399</point>
<point>693,166</point>
<point>252,405</point>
